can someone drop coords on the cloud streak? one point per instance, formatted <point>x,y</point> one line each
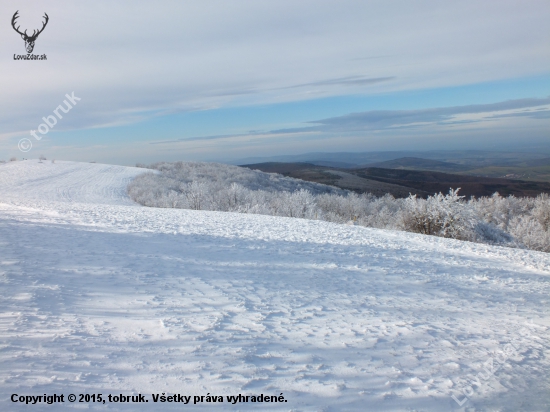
<point>346,81</point>
<point>406,119</point>
<point>384,119</point>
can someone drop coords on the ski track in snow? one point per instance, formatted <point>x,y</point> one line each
<point>100,295</point>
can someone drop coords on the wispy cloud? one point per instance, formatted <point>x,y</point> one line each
<point>405,119</point>
<point>542,113</point>
<point>346,81</point>
<point>251,134</point>
<point>383,119</point>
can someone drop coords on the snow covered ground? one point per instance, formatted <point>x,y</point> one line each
<point>100,295</point>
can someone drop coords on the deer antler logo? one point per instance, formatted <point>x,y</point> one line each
<point>29,40</point>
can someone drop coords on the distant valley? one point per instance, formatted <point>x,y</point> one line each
<point>422,177</point>
<point>532,167</point>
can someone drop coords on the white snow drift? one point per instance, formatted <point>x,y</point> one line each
<point>100,295</point>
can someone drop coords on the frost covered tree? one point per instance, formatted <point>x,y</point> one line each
<point>509,221</point>
<point>440,215</point>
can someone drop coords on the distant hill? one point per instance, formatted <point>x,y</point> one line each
<point>529,167</point>
<point>435,182</point>
<point>339,177</point>
<point>337,159</point>
<point>416,163</point>
<point>279,167</point>
<point>342,165</point>
<point>401,182</point>
<point>535,163</point>
<point>468,158</point>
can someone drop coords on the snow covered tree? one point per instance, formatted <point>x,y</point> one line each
<point>440,215</point>
<point>509,221</point>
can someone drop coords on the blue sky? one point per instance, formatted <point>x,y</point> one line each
<point>213,80</point>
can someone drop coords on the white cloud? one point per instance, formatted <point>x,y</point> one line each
<point>387,119</point>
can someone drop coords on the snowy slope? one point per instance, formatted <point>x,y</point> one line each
<point>103,296</point>
<point>74,182</point>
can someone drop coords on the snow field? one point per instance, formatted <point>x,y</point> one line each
<point>103,296</point>
<point>75,182</point>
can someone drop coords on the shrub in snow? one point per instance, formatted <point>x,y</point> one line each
<point>195,193</point>
<point>541,211</point>
<point>527,220</point>
<point>298,204</point>
<point>530,233</point>
<point>440,215</point>
<point>499,210</point>
<point>489,233</point>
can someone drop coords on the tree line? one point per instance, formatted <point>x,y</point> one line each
<point>508,221</point>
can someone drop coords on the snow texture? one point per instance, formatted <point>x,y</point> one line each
<point>100,295</point>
